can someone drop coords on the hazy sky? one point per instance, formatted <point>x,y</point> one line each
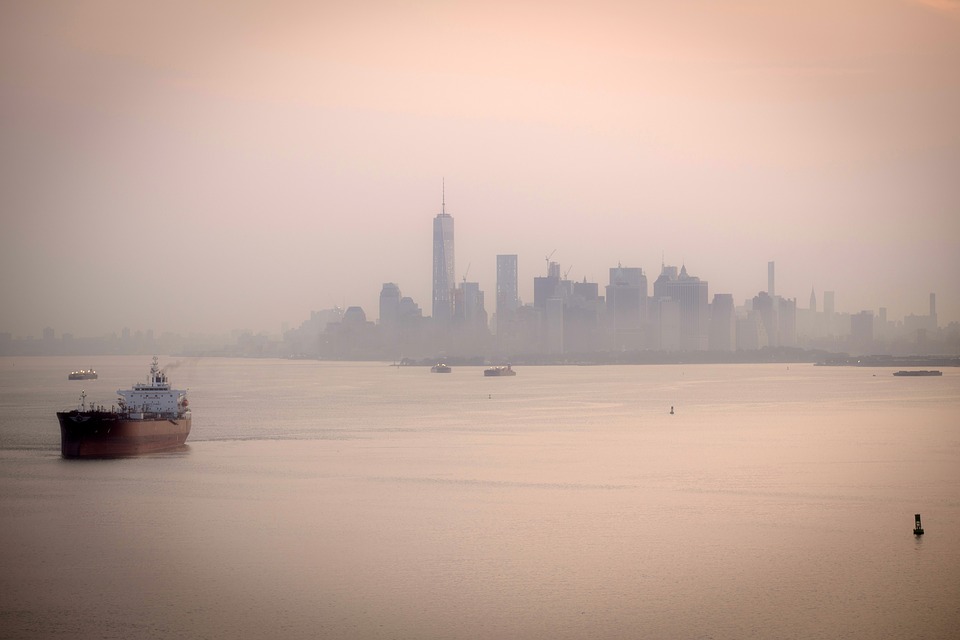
<point>203,166</point>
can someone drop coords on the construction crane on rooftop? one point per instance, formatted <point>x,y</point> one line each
<point>548,260</point>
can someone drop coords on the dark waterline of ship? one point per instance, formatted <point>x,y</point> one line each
<point>345,500</point>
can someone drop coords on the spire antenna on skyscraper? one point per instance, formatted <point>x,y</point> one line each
<point>443,195</point>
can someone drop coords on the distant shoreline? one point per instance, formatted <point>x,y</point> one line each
<point>779,356</point>
<point>782,355</point>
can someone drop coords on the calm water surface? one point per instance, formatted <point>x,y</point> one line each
<point>344,500</point>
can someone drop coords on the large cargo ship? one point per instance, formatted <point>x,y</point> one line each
<point>148,417</point>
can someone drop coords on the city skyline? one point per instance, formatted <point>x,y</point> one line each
<point>214,167</point>
<point>443,244</point>
<point>675,281</point>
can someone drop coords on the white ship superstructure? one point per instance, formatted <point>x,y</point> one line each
<point>153,397</point>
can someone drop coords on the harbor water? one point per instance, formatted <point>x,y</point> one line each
<point>363,500</point>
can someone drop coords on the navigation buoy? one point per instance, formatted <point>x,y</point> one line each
<point>671,409</point>
<point>917,528</point>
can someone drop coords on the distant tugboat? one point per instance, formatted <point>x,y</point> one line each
<point>82,374</point>
<point>440,367</point>
<point>504,370</point>
<point>150,417</point>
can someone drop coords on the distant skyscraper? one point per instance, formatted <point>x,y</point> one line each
<point>443,276</point>
<point>664,311</point>
<point>861,331</point>
<point>547,288</point>
<point>786,322</point>
<point>553,325</point>
<point>507,297</point>
<point>723,323</point>
<point>507,302</point>
<point>692,312</point>
<point>828,303</point>
<point>389,305</point>
<point>691,292</point>
<point>813,300</point>
<point>468,305</point>
<point>765,307</point>
<point>660,286</point>
<point>354,316</point>
<point>771,289</point>
<point>626,302</point>
<point>829,321</point>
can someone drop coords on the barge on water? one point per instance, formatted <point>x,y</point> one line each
<point>917,373</point>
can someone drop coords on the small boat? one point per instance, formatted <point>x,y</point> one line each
<point>503,370</point>
<point>82,374</point>
<point>918,373</point>
<point>440,367</point>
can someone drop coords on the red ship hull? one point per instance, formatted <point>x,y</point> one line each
<point>104,434</point>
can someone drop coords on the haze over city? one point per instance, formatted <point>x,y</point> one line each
<point>201,167</point>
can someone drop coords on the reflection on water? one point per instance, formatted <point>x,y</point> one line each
<point>365,501</point>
